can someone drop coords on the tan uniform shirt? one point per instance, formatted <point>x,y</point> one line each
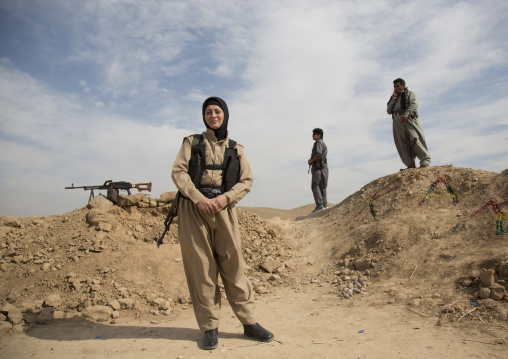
<point>214,154</point>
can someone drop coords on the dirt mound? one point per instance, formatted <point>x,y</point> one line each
<point>75,263</point>
<point>292,214</point>
<point>424,237</point>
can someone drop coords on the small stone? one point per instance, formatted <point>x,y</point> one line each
<point>114,304</point>
<point>45,316</point>
<point>126,303</point>
<point>45,266</point>
<point>484,293</point>
<point>53,300</point>
<point>503,271</point>
<point>104,226</point>
<point>465,281</point>
<point>7,307</point>
<point>362,264</point>
<point>270,265</point>
<point>17,328</point>
<point>487,277</point>
<point>161,304</point>
<point>98,313</point>
<point>15,316</point>
<point>5,327</point>
<point>497,292</point>
<point>500,314</point>
<point>414,302</point>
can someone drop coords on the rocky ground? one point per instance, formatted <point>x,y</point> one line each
<point>431,241</point>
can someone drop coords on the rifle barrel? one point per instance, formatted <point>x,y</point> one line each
<point>87,187</point>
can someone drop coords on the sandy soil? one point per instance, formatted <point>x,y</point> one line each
<point>306,323</point>
<point>419,298</point>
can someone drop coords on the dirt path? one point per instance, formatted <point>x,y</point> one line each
<point>306,322</point>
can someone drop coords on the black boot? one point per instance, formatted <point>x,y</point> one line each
<point>210,340</point>
<point>257,332</point>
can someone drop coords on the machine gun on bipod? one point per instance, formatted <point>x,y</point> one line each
<point>114,187</point>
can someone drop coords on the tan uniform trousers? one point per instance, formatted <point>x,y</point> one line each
<point>211,245</point>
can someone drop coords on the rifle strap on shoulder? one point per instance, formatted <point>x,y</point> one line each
<point>197,138</point>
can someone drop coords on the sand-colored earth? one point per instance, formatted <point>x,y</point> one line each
<point>417,277</point>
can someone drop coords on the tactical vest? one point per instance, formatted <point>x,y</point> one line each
<point>403,105</point>
<point>197,165</point>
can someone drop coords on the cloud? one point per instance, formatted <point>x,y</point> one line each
<point>112,87</point>
<point>50,140</point>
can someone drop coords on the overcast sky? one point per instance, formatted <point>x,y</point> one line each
<point>97,90</point>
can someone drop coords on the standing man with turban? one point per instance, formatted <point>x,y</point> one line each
<point>212,174</point>
<point>407,130</point>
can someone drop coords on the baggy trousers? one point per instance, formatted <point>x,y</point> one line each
<point>417,140</point>
<point>211,245</point>
<point>319,184</point>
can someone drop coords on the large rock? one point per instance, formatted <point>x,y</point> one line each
<point>130,200</point>
<point>99,217</point>
<point>10,221</point>
<point>100,202</point>
<point>98,313</point>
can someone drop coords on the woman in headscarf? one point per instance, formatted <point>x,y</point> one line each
<point>212,174</point>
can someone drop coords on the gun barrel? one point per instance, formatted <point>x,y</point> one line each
<point>86,188</point>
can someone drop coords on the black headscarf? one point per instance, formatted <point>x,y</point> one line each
<point>222,131</point>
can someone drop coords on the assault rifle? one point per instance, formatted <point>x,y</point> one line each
<point>117,186</point>
<point>172,213</point>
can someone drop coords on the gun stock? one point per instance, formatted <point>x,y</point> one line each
<point>144,186</point>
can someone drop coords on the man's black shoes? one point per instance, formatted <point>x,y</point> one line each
<point>257,332</point>
<point>210,340</point>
